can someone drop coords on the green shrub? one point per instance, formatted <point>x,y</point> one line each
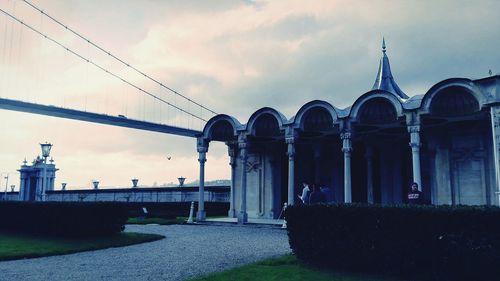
<point>424,242</point>
<point>63,219</point>
<point>171,210</point>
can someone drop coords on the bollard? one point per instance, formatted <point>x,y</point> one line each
<point>284,218</point>
<point>191,210</point>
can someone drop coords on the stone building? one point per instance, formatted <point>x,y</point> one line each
<point>446,140</point>
<point>32,177</point>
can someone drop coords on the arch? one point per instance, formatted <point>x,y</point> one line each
<point>451,97</point>
<point>379,105</point>
<point>266,122</point>
<point>221,127</point>
<point>315,115</point>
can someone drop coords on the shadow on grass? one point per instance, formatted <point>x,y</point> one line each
<point>286,268</point>
<point>16,246</point>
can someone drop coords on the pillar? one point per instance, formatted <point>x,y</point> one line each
<point>202,158</point>
<point>369,174</point>
<point>346,149</point>
<point>290,141</point>
<point>415,144</point>
<point>242,145</point>
<point>232,163</point>
<point>495,127</point>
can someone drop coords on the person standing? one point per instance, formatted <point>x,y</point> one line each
<point>415,196</point>
<point>317,196</point>
<point>306,191</point>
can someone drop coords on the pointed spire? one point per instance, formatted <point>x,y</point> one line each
<point>384,80</point>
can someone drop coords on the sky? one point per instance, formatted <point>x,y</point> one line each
<point>233,57</point>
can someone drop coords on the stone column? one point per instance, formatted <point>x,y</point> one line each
<point>232,163</point>
<point>290,141</point>
<point>369,174</point>
<point>415,144</point>
<point>495,128</point>
<point>346,149</point>
<point>202,158</point>
<point>242,144</point>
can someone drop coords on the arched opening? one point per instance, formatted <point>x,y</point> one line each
<point>377,111</point>
<point>381,158</point>
<point>317,119</point>
<point>266,126</point>
<point>222,131</point>
<point>454,101</point>
<point>457,156</point>
<point>318,152</point>
<point>266,167</point>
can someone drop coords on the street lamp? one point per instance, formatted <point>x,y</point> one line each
<point>45,153</point>
<point>6,184</point>
<point>134,182</point>
<point>181,181</point>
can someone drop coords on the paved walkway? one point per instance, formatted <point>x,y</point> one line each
<point>186,252</point>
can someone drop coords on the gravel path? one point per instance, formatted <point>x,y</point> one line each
<point>186,252</point>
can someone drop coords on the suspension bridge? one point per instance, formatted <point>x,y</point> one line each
<point>68,75</point>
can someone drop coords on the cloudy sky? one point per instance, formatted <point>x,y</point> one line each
<point>232,56</point>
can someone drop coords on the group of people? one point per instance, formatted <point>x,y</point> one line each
<point>316,194</point>
<point>324,194</point>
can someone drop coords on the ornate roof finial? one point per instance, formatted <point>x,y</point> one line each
<point>385,80</point>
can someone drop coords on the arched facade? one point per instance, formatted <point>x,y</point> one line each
<point>446,140</point>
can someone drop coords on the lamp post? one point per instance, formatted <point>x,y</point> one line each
<point>45,154</point>
<point>6,184</point>
<point>134,182</point>
<point>181,181</point>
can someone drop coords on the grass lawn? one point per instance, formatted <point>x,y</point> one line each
<point>162,221</point>
<point>285,268</point>
<point>15,246</point>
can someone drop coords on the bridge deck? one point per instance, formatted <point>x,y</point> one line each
<point>120,121</point>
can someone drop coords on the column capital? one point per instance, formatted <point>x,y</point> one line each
<point>414,131</point>
<point>414,128</point>
<point>412,118</point>
<point>346,141</point>
<point>346,135</point>
<point>231,148</point>
<point>202,145</point>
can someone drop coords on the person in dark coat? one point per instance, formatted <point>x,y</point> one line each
<point>317,196</point>
<point>415,196</point>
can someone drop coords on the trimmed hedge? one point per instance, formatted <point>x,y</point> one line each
<point>63,219</point>
<point>171,210</point>
<point>418,242</point>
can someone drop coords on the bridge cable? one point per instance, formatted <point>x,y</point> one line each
<point>116,58</point>
<point>99,66</point>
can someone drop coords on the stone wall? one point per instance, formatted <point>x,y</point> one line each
<point>141,194</point>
